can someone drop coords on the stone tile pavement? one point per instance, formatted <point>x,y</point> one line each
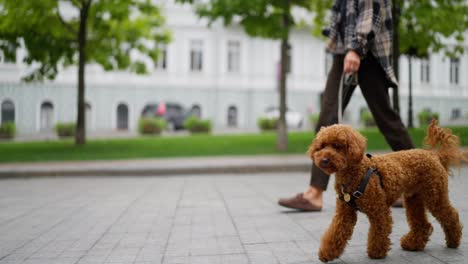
<point>228,219</point>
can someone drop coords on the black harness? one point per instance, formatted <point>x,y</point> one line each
<point>351,197</point>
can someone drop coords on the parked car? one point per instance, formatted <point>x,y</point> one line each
<point>174,114</point>
<point>294,119</point>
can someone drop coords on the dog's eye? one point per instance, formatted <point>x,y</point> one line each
<point>337,146</point>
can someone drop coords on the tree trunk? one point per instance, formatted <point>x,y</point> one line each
<point>396,51</point>
<point>282,135</point>
<point>80,134</point>
<point>410,94</point>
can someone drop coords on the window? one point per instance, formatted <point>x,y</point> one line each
<point>173,109</point>
<point>196,55</point>
<point>232,116</point>
<point>196,111</point>
<point>8,112</point>
<point>9,54</point>
<point>47,117</point>
<point>328,62</point>
<point>161,64</point>
<point>456,114</point>
<point>425,71</point>
<point>122,117</point>
<point>454,70</point>
<point>289,58</point>
<point>88,116</point>
<point>233,56</point>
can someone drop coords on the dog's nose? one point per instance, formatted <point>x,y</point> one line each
<point>324,162</point>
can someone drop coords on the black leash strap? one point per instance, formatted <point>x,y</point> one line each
<point>346,81</point>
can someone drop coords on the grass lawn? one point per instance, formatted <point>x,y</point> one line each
<point>187,146</point>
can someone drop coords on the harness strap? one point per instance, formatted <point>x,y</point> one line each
<point>362,187</point>
<point>351,199</point>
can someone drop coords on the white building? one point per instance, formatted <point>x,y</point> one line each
<point>222,72</point>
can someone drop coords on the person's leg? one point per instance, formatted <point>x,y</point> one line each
<point>311,199</point>
<point>328,115</point>
<point>372,80</point>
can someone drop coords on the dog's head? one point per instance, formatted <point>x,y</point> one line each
<point>336,147</point>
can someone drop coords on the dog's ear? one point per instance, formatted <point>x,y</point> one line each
<point>356,145</point>
<point>312,148</point>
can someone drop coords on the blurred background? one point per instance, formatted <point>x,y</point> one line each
<point>220,99</point>
<point>174,67</point>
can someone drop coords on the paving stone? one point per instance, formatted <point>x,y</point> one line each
<point>189,219</point>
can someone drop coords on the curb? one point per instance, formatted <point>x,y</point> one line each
<point>159,167</point>
<point>162,167</point>
<point>156,172</point>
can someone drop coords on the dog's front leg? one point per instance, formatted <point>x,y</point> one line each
<point>338,233</point>
<point>378,241</point>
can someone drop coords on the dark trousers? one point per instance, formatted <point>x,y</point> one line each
<point>374,88</point>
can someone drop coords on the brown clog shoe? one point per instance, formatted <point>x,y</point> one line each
<point>298,202</point>
<point>398,203</point>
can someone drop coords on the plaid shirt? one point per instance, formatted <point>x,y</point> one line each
<point>368,27</point>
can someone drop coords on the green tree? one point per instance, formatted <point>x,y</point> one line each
<point>427,26</point>
<point>424,26</point>
<point>272,19</point>
<point>116,34</point>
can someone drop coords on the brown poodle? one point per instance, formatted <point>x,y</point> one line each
<point>371,184</point>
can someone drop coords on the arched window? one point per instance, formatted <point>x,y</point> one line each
<point>47,116</point>
<point>122,117</point>
<point>196,111</point>
<point>88,116</point>
<point>232,116</point>
<point>8,111</point>
<point>328,62</point>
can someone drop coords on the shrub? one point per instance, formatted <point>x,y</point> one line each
<point>151,126</point>
<point>267,123</point>
<point>313,118</point>
<point>425,117</point>
<point>196,125</point>
<point>367,119</point>
<point>7,130</point>
<point>65,129</point>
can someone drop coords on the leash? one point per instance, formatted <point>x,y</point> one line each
<point>346,81</point>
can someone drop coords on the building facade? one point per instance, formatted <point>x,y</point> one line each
<point>220,72</point>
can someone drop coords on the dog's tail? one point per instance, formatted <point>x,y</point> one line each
<point>445,144</point>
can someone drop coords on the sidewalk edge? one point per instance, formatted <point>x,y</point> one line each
<point>155,171</point>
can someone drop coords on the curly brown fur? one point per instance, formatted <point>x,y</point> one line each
<point>446,144</point>
<point>421,176</point>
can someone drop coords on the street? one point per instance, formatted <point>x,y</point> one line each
<point>197,219</point>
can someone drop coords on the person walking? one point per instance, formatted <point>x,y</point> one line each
<point>360,39</point>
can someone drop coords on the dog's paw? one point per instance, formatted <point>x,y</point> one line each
<point>415,241</point>
<point>377,255</point>
<point>411,243</point>
<point>325,256</point>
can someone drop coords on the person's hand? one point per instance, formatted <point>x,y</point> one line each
<point>352,61</point>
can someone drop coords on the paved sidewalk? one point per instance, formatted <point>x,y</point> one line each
<point>165,166</point>
<point>197,219</point>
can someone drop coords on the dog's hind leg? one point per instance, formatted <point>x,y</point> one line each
<point>448,218</point>
<point>420,228</point>
<point>378,241</point>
